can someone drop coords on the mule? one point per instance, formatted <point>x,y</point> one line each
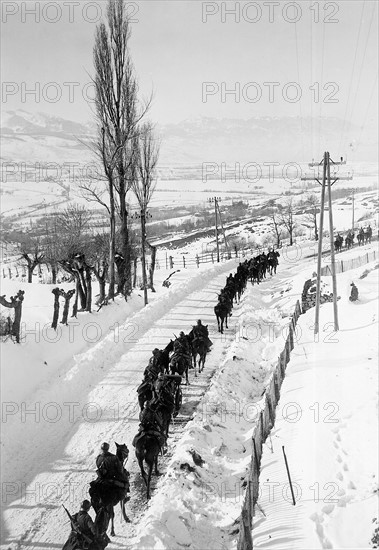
<point>106,494</point>
<point>222,311</point>
<point>199,347</point>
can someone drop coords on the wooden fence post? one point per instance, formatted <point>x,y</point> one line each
<point>197,260</point>
<point>184,262</point>
<point>171,262</point>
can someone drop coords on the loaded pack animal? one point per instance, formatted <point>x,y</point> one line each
<point>110,488</point>
<point>155,421</point>
<point>181,359</point>
<point>338,243</point>
<point>361,237</point>
<point>368,235</point>
<point>349,240</point>
<point>272,261</point>
<point>222,311</point>
<point>200,345</point>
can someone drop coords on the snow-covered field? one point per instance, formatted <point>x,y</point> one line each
<point>62,399</point>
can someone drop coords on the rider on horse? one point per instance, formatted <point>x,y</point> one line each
<point>110,468</point>
<point>200,331</point>
<point>150,423</point>
<point>182,346</point>
<point>153,368</point>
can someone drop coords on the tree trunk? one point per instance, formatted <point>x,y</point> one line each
<point>152,265</point>
<point>82,289</point>
<point>17,321</point>
<point>67,297</point>
<point>30,273</point>
<point>56,293</point>
<point>75,306</point>
<point>54,273</point>
<point>135,272</point>
<point>112,242</point>
<point>88,289</point>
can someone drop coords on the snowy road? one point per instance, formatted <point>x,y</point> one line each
<point>51,454</point>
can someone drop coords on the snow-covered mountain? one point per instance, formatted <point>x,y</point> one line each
<point>39,138</point>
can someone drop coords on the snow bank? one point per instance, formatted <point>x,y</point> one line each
<point>200,498</point>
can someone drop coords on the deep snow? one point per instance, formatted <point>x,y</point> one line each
<point>48,460</point>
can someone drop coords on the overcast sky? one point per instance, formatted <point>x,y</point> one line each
<point>177,46</point>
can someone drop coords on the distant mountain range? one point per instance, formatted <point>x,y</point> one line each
<point>43,138</point>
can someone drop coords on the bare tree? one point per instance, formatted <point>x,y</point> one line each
<point>287,217</point>
<point>275,224</point>
<point>32,253</point>
<point>312,206</point>
<point>146,150</point>
<point>118,114</point>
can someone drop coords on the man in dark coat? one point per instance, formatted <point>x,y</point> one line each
<point>83,535</point>
<point>108,465</point>
<point>201,331</point>
<point>354,293</point>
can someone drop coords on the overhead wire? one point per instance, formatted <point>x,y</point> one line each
<point>368,109</point>
<point>351,78</point>
<point>361,68</point>
<point>298,79</point>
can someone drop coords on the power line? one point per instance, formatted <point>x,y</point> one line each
<point>361,68</point>
<point>351,77</point>
<point>368,109</point>
<point>298,79</point>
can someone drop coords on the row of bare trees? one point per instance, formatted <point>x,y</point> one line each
<point>125,144</point>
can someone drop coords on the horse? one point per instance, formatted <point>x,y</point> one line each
<point>272,261</point>
<point>349,241</point>
<point>148,447</point>
<point>338,243</point>
<point>164,356</point>
<point>199,347</point>
<point>179,364</point>
<point>152,438</point>
<point>145,392</point>
<point>105,494</point>
<point>368,235</point>
<point>222,310</point>
<point>361,237</point>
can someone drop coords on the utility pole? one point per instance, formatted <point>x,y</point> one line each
<point>142,216</point>
<point>326,182</point>
<point>222,229</point>
<point>216,201</point>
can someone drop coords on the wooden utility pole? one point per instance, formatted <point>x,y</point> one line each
<point>332,255</point>
<point>326,181</point>
<point>222,229</point>
<point>215,200</point>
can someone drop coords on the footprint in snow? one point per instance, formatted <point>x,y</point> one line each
<point>339,476</point>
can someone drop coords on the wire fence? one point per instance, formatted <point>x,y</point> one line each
<point>264,425</point>
<point>353,263</point>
